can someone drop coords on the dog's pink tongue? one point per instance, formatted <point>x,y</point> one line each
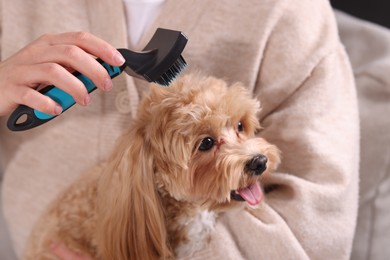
<point>252,194</point>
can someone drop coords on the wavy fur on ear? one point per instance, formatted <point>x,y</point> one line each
<point>131,218</point>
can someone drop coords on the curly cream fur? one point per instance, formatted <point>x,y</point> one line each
<point>158,194</point>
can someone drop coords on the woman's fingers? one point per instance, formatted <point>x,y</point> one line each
<point>48,60</point>
<point>89,43</point>
<point>36,100</point>
<point>73,57</point>
<point>57,75</point>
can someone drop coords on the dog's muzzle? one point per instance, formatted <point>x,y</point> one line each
<point>252,193</point>
<point>257,165</point>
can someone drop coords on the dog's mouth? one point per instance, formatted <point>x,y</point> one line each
<point>251,194</point>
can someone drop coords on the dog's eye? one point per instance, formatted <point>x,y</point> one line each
<point>206,144</point>
<point>240,127</point>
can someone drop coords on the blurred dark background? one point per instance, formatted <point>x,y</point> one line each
<point>377,11</point>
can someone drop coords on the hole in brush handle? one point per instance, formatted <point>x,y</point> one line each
<point>22,118</point>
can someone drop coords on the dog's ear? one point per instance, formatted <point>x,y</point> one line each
<point>131,221</point>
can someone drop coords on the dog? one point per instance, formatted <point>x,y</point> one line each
<point>191,154</point>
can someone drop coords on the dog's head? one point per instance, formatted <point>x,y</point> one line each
<point>202,137</point>
<point>193,142</point>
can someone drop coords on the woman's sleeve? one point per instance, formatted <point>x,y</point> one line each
<point>310,112</point>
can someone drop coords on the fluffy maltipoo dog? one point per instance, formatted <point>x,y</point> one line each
<point>190,154</point>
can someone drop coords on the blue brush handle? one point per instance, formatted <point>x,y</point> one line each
<point>35,118</point>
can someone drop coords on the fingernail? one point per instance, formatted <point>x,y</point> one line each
<point>108,84</point>
<point>118,58</point>
<point>57,109</point>
<point>87,100</point>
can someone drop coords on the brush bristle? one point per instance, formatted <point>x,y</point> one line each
<point>169,76</point>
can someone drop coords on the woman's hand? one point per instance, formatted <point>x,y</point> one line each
<point>64,253</point>
<point>49,60</point>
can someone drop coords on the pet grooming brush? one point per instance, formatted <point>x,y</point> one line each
<point>160,62</point>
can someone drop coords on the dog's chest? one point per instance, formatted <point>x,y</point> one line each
<point>198,229</point>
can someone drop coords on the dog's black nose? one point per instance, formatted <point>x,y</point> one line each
<point>257,164</point>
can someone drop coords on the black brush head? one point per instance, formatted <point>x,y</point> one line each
<point>161,60</point>
<point>166,78</point>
